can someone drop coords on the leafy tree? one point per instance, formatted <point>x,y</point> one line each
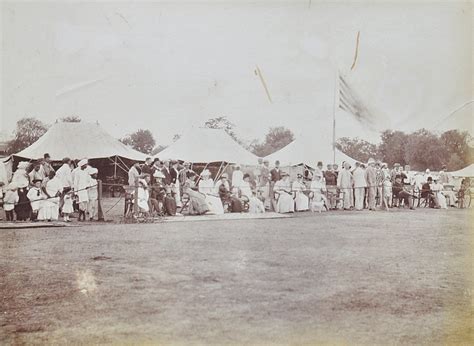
<point>357,148</point>
<point>141,140</point>
<point>457,143</point>
<point>392,147</point>
<point>71,119</point>
<point>226,125</point>
<point>158,149</point>
<point>28,131</point>
<point>275,139</point>
<point>424,149</point>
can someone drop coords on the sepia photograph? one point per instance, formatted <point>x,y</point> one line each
<point>225,172</point>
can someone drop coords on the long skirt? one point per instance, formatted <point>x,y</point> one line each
<point>197,203</point>
<point>442,201</point>
<point>285,204</point>
<point>215,205</point>
<point>23,208</point>
<point>49,210</point>
<point>256,206</point>
<point>301,201</point>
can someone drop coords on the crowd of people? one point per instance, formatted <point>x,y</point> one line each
<point>164,186</point>
<point>37,192</point>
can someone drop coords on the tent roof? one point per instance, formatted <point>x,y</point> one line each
<point>78,140</point>
<point>306,151</point>
<point>208,145</point>
<point>465,172</point>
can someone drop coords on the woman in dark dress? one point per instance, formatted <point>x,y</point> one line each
<point>23,208</point>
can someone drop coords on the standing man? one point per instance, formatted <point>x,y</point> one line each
<point>445,178</point>
<point>371,179</point>
<point>166,172</point>
<point>331,185</point>
<point>64,174</point>
<point>133,175</point>
<point>275,175</point>
<point>46,165</point>
<point>344,183</point>
<point>379,178</point>
<point>359,187</point>
<point>147,167</point>
<point>81,184</point>
<point>264,183</point>
<point>174,173</point>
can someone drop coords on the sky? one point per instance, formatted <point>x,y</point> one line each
<point>170,66</point>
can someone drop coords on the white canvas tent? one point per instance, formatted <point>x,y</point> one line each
<point>203,145</point>
<point>465,172</point>
<point>308,152</point>
<point>79,140</point>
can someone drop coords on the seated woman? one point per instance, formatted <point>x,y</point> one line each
<point>143,194</point>
<point>255,204</point>
<point>157,194</point>
<point>197,204</point>
<point>301,200</point>
<point>206,187</point>
<point>282,187</point>
<point>318,190</point>
<point>437,189</point>
<point>222,188</point>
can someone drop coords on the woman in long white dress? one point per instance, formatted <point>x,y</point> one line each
<point>206,186</point>
<point>318,188</point>
<point>282,187</point>
<point>301,200</point>
<point>256,206</point>
<point>50,206</point>
<point>437,188</point>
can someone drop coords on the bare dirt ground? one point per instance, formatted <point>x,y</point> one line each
<point>395,277</point>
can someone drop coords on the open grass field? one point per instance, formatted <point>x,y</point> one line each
<point>341,277</point>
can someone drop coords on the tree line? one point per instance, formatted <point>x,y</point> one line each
<point>420,149</point>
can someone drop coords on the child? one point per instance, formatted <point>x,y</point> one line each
<point>67,205</point>
<point>387,192</point>
<point>93,194</point>
<point>35,195</point>
<point>11,198</point>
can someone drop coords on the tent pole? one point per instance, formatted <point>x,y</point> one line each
<point>115,167</point>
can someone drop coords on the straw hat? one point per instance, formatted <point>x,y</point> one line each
<point>23,165</point>
<point>205,173</point>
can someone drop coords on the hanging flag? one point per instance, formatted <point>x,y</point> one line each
<point>351,103</point>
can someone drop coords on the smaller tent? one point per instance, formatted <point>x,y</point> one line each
<point>308,152</point>
<point>465,172</point>
<point>203,145</point>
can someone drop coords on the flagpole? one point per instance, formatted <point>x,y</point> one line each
<point>336,97</point>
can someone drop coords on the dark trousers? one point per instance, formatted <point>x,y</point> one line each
<point>9,215</point>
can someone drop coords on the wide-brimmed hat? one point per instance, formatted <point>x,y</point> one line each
<point>83,162</point>
<point>23,165</point>
<point>37,180</point>
<point>225,175</point>
<point>205,173</point>
<point>371,160</point>
<point>92,170</point>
